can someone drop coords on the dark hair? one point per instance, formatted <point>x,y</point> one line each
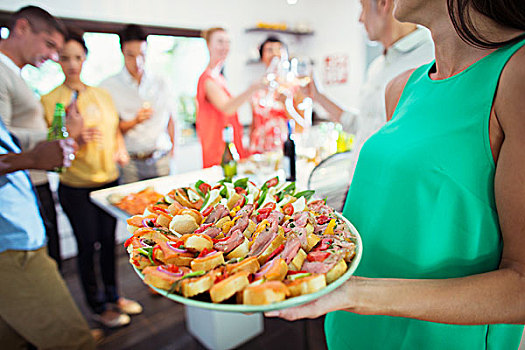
<point>132,32</point>
<point>39,20</point>
<point>508,13</point>
<point>76,34</point>
<point>270,39</point>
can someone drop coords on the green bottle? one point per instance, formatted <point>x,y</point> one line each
<point>58,130</point>
<point>230,155</point>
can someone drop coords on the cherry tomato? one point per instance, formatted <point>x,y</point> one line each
<point>317,256</point>
<point>202,228</point>
<point>270,205</point>
<point>240,203</point>
<point>240,190</point>
<point>325,244</point>
<point>276,252</point>
<point>207,211</point>
<point>154,254</point>
<point>272,182</point>
<point>215,240</point>
<point>176,244</point>
<point>288,209</point>
<point>204,188</point>
<point>171,268</point>
<point>323,219</point>
<point>204,252</point>
<point>263,213</point>
<point>128,241</point>
<point>161,209</point>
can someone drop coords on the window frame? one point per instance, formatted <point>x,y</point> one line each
<point>113,27</point>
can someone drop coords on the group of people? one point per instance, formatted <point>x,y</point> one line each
<point>437,193</point>
<point>107,140</point>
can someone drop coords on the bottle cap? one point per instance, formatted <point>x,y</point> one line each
<point>291,126</point>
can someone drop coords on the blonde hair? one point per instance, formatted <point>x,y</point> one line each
<point>206,34</point>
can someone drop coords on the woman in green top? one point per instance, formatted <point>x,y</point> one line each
<point>439,194</point>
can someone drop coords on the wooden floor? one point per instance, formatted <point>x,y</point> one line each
<point>162,324</point>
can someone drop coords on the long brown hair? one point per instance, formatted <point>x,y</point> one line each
<point>508,13</point>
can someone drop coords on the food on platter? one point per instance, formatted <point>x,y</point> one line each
<point>265,293</point>
<point>226,288</point>
<point>135,203</point>
<point>208,261</point>
<point>233,242</point>
<point>305,283</point>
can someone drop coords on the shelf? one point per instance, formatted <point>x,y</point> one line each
<point>268,30</point>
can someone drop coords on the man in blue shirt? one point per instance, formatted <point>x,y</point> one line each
<point>35,304</point>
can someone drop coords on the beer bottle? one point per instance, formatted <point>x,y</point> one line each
<point>289,154</point>
<point>230,155</point>
<point>57,130</point>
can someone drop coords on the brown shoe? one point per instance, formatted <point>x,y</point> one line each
<point>128,306</point>
<point>112,319</point>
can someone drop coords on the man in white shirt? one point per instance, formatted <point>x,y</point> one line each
<point>406,46</point>
<point>145,108</point>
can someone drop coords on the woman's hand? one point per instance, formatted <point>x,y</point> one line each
<point>338,299</point>
<point>92,134</point>
<point>74,121</point>
<point>311,90</point>
<point>121,156</point>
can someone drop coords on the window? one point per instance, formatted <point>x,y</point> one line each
<point>180,60</point>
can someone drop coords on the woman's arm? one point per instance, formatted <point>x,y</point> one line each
<point>492,297</point>
<point>228,105</point>
<point>121,153</point>
<point>333,109</point>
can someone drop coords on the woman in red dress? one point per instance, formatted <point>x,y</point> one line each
<point>216,107</point>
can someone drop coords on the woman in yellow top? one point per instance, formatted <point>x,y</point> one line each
<point>95,167</point>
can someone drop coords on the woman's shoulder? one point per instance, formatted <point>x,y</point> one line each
<point>100,92</point>
<point>509,103</point>
<point>53,95</point>
<point>394,90</point>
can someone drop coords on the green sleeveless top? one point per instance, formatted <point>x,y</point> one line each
<point>422,198</point>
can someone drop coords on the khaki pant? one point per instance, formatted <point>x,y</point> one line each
<point>36,306</point>
<point>138,170</point>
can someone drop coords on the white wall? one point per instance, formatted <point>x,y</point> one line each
<point>337,30</point>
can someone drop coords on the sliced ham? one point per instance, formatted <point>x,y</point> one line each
<point>240,224</point>
<point>290,249</point>
<point>343,231</point>
<point>212,231</point>
<point>247,210</point>
<point>339,243</point>
<point>264,239</point>
<point>216,214</point>
<point>322,266</point>
<point>275,216</point>
<point>320,207</point>
<point>319,229</point>
<point>302,236</point>
<point>231,243</point>
<point>300,219</point>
